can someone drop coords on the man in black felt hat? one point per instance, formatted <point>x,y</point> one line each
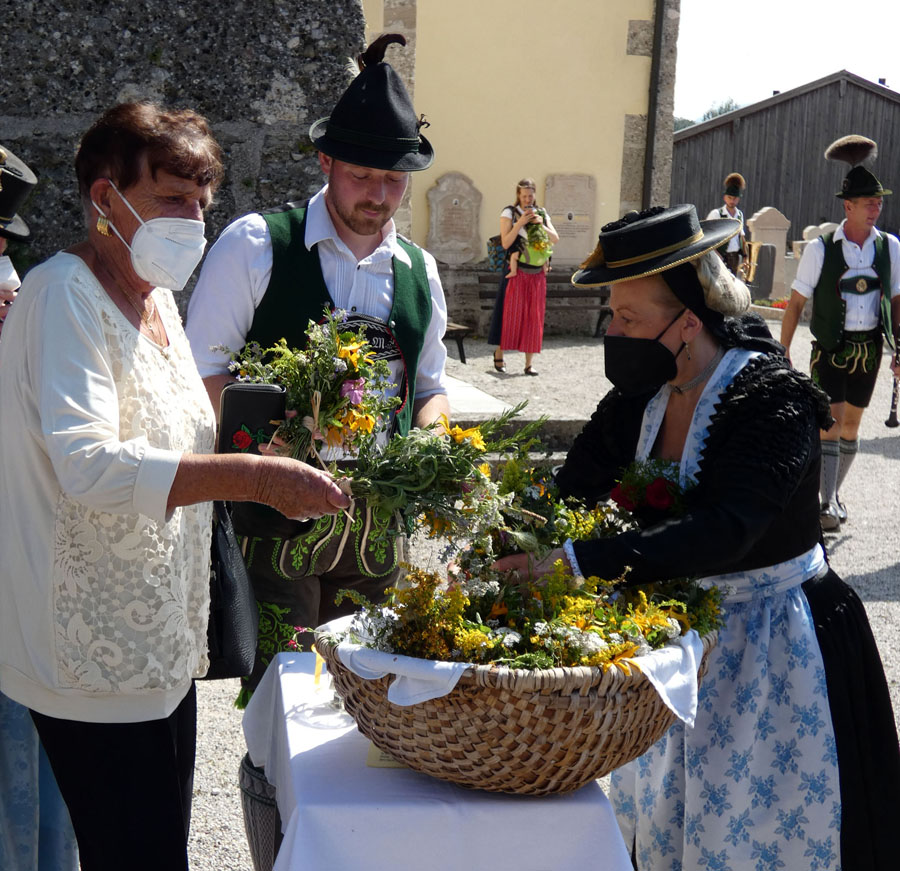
<point>271,272</point>
<point>853,277</point>
<point>16,183</point>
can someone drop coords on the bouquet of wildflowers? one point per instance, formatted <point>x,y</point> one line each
<point>439,476</point>
<point>538,238</point>
<point>649,490</point>
<point>481,615</point>
<point>554,621</point>
<point>538,519</point>
<point>336,386</point>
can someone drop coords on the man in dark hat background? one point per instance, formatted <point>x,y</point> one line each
<point>271,272</point>
<point>16,183</point>
<point>735,249</point>
<point>853,278</point>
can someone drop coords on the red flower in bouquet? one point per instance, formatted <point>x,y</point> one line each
<point>623,496</point>
<point>659,494</point>
<point>650,490</point>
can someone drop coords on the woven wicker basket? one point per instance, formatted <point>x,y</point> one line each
<point>505,730</point>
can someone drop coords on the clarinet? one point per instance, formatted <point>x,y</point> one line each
<point>895,394</point>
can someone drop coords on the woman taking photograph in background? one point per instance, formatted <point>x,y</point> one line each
<point>527,230</point>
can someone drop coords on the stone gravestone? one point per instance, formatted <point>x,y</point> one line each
<point>769,226</point>
<point>453,230</point>
<point>570,200</point>
<point>813,231</point>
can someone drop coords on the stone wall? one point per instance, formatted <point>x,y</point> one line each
<point>635,145</point>
<point>260,70</point>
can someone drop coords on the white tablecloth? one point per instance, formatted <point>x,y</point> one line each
<point>338,813</point>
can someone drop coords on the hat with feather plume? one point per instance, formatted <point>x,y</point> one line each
<point>859,182</point>
<point>734,185</point>
<point>374,123</point>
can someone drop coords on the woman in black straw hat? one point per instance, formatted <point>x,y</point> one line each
<point>793,759</point>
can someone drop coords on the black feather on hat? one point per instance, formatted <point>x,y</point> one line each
<point>859,182</point>
<point>374,123</point>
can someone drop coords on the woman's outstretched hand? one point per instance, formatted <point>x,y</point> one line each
<point>526,566</point>
<point>297,490</point>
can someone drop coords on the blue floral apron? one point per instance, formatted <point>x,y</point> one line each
<point>754,785</point>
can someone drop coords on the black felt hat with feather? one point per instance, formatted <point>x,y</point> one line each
<point>374,123</point>
<point>859,182</point>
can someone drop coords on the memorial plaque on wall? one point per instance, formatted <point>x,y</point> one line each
<point>453,231</point>
<point>570,200</point>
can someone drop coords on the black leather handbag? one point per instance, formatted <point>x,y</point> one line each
<point>233,616</point>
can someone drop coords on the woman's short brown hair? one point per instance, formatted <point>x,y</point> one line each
<point>178,141</point>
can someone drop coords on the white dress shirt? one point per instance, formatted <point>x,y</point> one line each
<point>862,309</point>
<point>236,274</point>
<point>734,243</point>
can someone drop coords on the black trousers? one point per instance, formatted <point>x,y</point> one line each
<point>128,787</point>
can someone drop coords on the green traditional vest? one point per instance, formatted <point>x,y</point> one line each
<point>285,310</point>
<point>829,308</point>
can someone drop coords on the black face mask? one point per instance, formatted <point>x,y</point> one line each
<point>638,366</point>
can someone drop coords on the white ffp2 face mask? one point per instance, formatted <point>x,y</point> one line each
<point>164,251</point>
<point>9,278</point>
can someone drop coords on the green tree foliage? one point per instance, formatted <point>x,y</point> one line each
<point>728,105</point>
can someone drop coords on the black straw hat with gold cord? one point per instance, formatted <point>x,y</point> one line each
<point>648,242</point>
<point>374,123</point>
<point>859,182</point>
<point>16,183</point>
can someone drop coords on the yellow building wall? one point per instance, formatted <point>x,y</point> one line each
<point>524,88</point>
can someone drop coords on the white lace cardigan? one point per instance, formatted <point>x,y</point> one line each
<point>103,597</point>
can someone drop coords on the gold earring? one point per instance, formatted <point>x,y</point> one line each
<point>103,225</point>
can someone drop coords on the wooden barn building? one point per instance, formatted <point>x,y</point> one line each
<point>778,144</point>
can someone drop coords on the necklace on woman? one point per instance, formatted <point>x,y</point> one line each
<point>146,316</point>
<point>701,376</point>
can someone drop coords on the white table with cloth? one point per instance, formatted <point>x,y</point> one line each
<point>339,813</point>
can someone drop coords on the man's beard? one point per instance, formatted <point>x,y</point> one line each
<point>361,224</point>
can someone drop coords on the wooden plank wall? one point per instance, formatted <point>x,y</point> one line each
<point>779,150</point>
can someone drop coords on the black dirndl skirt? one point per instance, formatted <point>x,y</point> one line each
<point>864,728</point>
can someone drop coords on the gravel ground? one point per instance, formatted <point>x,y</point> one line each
<point>569,385</point>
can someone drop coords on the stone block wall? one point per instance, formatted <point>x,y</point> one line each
<point>261,71</point>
